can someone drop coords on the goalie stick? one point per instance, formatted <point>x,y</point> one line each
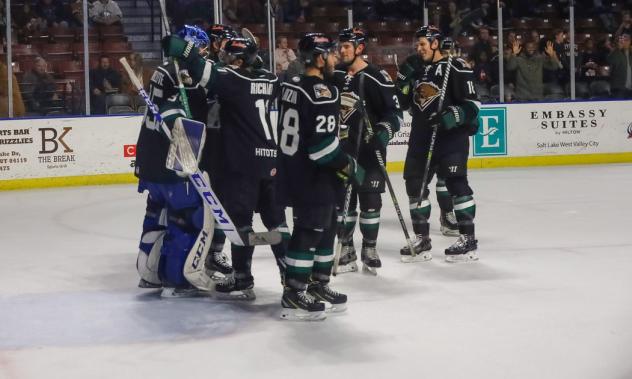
<point>202,186</point>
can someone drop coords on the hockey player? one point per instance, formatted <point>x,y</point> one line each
<point>219,35</point>
<point>457,120</point>
<point>174,213</point>
<point>386,118</point>
<point>246,181</point>
<point>312,156</point>
<point>403,83</point>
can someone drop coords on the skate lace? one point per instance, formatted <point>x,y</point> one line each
<point>331,292</point>
<point>228,282</point>
<point>451,218</point>
<point>220,257</point>
<point>306,298</point>
<point>371,253</point>
<point>461,242</point>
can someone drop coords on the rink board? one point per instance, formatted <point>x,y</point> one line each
<point>101,150</point>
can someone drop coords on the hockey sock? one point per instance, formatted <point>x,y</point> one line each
<point>369,226</point>
<point>219,238</point>
<point>420,215</point>
<point>300,257</point>
<point>349,226</point>
<point>465,211</point>
<point>324,256</point>
<point>242,260</point>
<point>443,196</point>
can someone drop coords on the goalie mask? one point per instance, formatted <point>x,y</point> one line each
<point>240,48</point>
<point>196,35</point>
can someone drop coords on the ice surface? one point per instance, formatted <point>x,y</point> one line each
<point>551,296</point>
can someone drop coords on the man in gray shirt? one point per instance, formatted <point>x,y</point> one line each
<point>529,68</point>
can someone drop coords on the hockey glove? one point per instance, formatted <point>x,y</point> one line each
<point>449,118</point>
<point>404,78</point>
<point>352,171</point>
<point>381,135</point>
<point>176,47</point>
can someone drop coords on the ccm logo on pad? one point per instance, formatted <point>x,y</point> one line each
<point>129,151</point>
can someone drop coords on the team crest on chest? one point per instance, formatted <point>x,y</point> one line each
<point>347,105</point>
<point>321,90</point>
<point>425,93</point>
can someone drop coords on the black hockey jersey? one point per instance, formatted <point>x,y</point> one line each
<point>153,145</point>
<point>423,99</point>
<point>381,103</point>
<point>311,151</point>
<point>247,134</point>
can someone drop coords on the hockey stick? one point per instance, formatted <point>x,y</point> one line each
<point>380,160</point>
<point>435,128</point>
<point>202,185</point>
<point>345,208</point>
<point>181,90</point>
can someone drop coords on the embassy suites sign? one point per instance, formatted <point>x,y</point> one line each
<point>570,119</point>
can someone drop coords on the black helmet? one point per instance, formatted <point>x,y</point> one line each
<point>313,44</point>
<point>218,32</point>
<point>429,32</point>
<point>355,35</point>
<point>240,48</point>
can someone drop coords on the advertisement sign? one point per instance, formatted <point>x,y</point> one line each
<point>41,148</point>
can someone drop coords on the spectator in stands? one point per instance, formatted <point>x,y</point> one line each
<point>27,23</point>
<point>483,71</point>
<point>483,45</point>
<point>621,69</point>
<point>76,13</point>
<point>283,55</point>
<point>529,69</point>
<point>105,12</point>
<point>18,104</point>
<point>39,88</point>
<point>626,24</point>
<point>561,74</point>
<point>52,13</point>
<point>144,76</point>
<point>589,61</point>
<point>104,80</point>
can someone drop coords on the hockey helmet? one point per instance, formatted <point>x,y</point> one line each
<point>356,36</point>
<point>240,48</point>
<point>192,33</point>
<point>313,44</point>
<point>218,32</point>
<point>430,33</point>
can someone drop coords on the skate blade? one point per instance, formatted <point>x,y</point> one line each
<point>470,256</point>
<point>145,284</point>
<point>291,314</point>
<point>421,257</point>
<point>369,270</point>
<point>349,267</point>
<point>449,232</point>
<point>335,308</point>
<point>244,295</point>
<point>171,293</point>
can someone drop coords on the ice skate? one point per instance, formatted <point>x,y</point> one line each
<point>463,250</point>
<point>449,225</point>
<point>145,284</point>
<point>297,305</point>
<point>421,245</point>
<point>348,258</point>
<point>217,266</point>
<point>370,260</point>
<point>335,302</point>
<point>181,292</point>
<point>235,289</point>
